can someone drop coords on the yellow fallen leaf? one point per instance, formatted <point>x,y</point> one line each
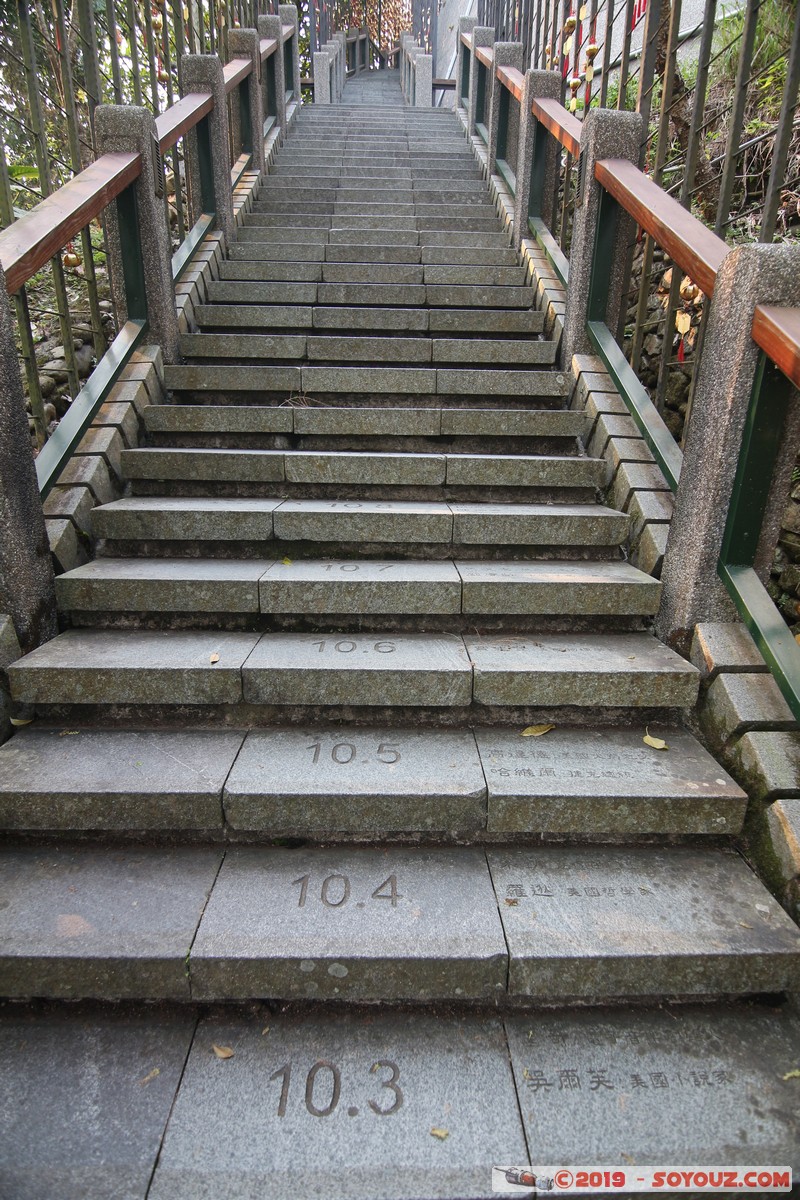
<point>18,722</point>
<point>656,743</point>
<point>69,733</point>
<point>744,925</point>
<point>683,322</point>
<point>155,1071</point>
<point>214,658</point>
<point>222,1051</point>
<point>441,1134</point>
<point>265,1031</point>
<point>512,903</point>
<point>287,562</point>
<point>792,1075</point>
<point>536,730</point>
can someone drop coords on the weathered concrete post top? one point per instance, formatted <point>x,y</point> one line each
<point>26,573</point>
<point>203,73</point>
<point>482,35</point>
<point>538,85</point>
<point>605,134</point>
<point>121,127</point>
<point>243,43</point>
<point>270,27</point>
<point>691,588</point>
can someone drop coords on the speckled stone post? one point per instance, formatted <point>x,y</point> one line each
<point>288,15</point>
<point>606,134</point>
<point>406,42</point>
<point>506,54</point>
<point>482,35</point>
<point>203,73</point>
<point>270,27</point>
<point>539,85</point>
<point>26,571</point>
<point>122,127</point>
<point>692,592</point>
<point>243,43</point>
<point>465,25</point>
<point>341,38</point>
<point>423,94</point>
<point>322,77</point>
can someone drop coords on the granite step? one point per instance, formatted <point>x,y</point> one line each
<point>233,519</point>
<point>245,347</point>
<point>322,781</point>
<point>385,1078</point>
<point>381,295</point>
<point>248,267</point>
<point>389,922</point>
<point>398,381</point>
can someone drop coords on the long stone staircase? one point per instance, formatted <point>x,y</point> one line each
<point>340,756</point>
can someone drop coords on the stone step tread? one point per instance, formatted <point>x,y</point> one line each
<point>404,320</point>
<point>337,348</point>
<point>362,466</point>
<point>373,422</point>
<point>347,586</point>
<point>412,295</point>
<point>379,521</point>
<point>323,780</point>
<point>397,380</point>
<point>389,922</point>
<point>249,268</point>
<point>441,670</point>
<point>425,1068</point>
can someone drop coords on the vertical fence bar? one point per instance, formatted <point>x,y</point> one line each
<point>737,115</point>
<point>783,136</point>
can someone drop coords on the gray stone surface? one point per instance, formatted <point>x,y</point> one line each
<point>371,273</point>
<point>245,345</point>
<point>162,585</point>
<point>499,382</point>
<point>87,1093</point>
<point>67,551</point>
<point>498,422</point>
<point>9,645</point>
<point>538,85</point>
<point>185,518</point>
<point>370,585</point>
<point>608,921</point>
<point>359,669</point>
<point>767,764</point>
<point>102,923</point>
<point>364,467</point>
<point>74,504</point>
<point>248,315</point>
<point>90,666</point>
<point>724,646</point>
<point>71,779</point>
<point>244,43</point>
<point>381,422</point>
<point>204,73</point>
<point>738,702</point>
<point>405,320</point>
<point>606,781</point>
<point>422,1071</point>
<point>90,471</point>
<point>690,1084</point>
<point>219,418</point>
<point>783,827</point>
<point>538,524</point>
<point>369,349</point>
<point>226,377</point>
<point>365,380</point>
<point>262,466</point>
<point>355,780</point>
<point>363,521</point>
<point>367,923</point>
<point>454,295</point>
<point>495,352</point>
<point>518,470</point>
<point>581,588</point>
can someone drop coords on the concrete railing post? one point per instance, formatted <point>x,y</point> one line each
<point>423,82</point>
<point>506,54</point>
<point>288,16</point>
<point>270,27</point>
<point>209,184</point>
<point>482,35</point>
<point>605,134</point>
<point>125,128</point>
<point>243,43</point>
<point>341,39</point>
<point>27,591</point>
<point>321,66</point>
<point>539,85</point>
<point>691,588</point>
<point>465,25</point>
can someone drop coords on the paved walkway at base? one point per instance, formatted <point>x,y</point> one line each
<point>374,88</point>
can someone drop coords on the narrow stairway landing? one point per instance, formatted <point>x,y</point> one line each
<point>374,88</point>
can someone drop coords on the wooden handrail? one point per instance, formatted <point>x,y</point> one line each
<point>512,79</point>
<point>267,46</point>
<point>286,32</point>
<point>444,85</point>
<point>235,71</point>
<point>485,55</point>
<point>181,117</point>
<point>696,250</point>
<point>35,238</point>
<point>559,122</point>
<point>465,41</point>
<point>777,332</point>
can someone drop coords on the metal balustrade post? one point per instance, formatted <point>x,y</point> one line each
<point>243,43</point>
<point>288,15</point>
<point>506,54</point>
<point>537,158</point>
<point>727,393</point>
<point>482,35</point>
<point>601,237</point>
<point>136,225</point>
<point>465,26</point>
<point>273,74</point>
<point>27,590</point>
<point>207,149</point>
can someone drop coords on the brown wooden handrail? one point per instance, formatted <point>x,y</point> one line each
<point>236,70</point>
<point>697,250</point>
<point>267,46</point>
<point>559,122</point>
<point>465,41</point>
<point>512,79</point>
<point>181,117</point>
<point>777,332</point>
<point>485,55</point>
<point>35,238</point>
<point>286,32</point>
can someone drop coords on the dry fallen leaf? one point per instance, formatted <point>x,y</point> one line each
<point>17,722</point>
<point>155,1071</point>
<point>214,658</point>
<point>441,1134</point>
<point>222,1051</point>
<point>744,925</point>
<point>536,730</point>
<point>656,743</point>
<point>287,562</point>
<point>69,733</point>
<point>512,903</point>
<point>265,1031</point>
<point>792,1075</point>
<point>683,322</point>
